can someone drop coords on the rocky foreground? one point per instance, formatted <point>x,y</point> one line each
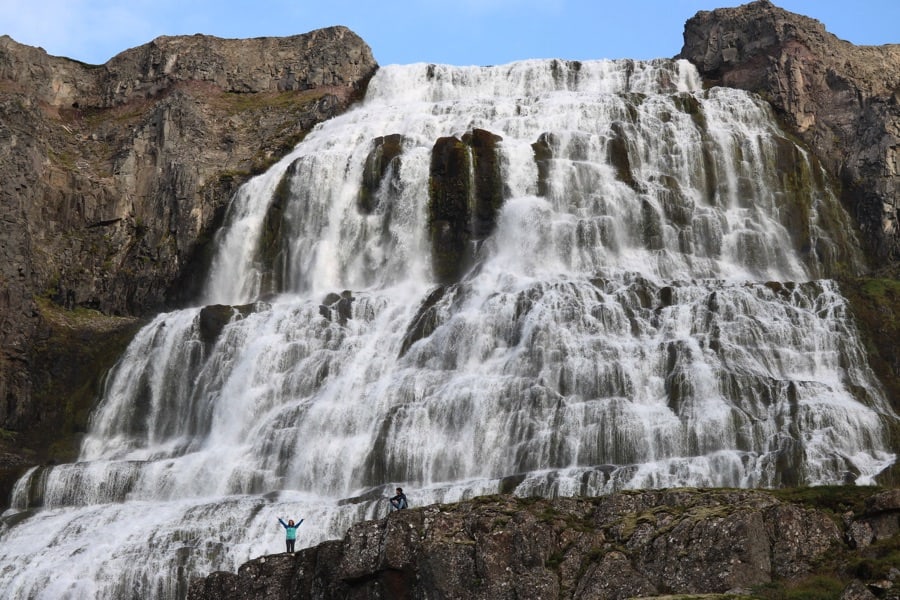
<point>841,542</point>
<point>114,179</point>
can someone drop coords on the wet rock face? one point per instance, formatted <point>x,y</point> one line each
<point>382,159</point>
<point>465,197</point>
<point>113,178</point>
<point>841,99</point>
<point>621,546</point>
<point>448,209</point>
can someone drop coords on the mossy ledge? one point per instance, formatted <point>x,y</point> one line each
<point>74,351</point>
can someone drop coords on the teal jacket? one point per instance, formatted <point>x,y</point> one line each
<point>290,531</point>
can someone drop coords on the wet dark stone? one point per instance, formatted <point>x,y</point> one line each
<point>425,321</point>
<point>384,156</point>
<point>213,320</point>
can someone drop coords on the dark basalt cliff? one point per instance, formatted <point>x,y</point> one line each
<point>825,542</point>
<point>842,100</point>
<point>113,179</point>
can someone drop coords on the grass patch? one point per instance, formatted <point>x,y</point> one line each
<point>493,498</point>
<point>548,514</point>
<point>881,290</point>
<point>817,587</point>
<point>529,500</point>
<point>877,560</point>
<point>64,159</point>
<point>836,499</point>
<point>555,559</point>
<point>234,103</point>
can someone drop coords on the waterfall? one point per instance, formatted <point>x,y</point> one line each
<point>651,305</point>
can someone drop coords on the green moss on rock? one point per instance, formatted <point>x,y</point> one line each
<point>689,103</point>
<point>464,198</point>
<point>796,182</point>
<point>488,197</point>
<point>450,186</point>
<point>617,154</point>
<point>384,155</point>
<point>678,208</point>
<point>652,232</point>
<point>74,351</point>
<point>271,251</point>
<point>425,321</point>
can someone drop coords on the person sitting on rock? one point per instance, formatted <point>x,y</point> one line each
<point>399,502</point>
<point>290,532</point>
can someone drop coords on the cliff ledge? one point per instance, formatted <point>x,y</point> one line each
<point>838,542</point>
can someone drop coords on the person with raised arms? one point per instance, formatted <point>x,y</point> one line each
<point>290,533</point>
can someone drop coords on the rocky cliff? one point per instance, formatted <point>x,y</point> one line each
<point>824,542</point>
<point>842,100</point>
<point>113,179</point>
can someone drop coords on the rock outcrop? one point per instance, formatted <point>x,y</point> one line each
<point>627,545</point>
<point>114,177</point>
<point>842,100</point>
<point>464,198</point>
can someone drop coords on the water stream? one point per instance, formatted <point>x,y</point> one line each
<point>669,322</point>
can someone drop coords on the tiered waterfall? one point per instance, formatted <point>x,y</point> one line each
<point>547,277</point>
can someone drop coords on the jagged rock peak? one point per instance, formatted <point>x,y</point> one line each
<point>718,39</point>
<point>261,64</point>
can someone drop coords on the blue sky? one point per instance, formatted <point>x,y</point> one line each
<point>472,32</point>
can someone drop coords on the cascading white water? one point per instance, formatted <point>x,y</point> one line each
<point>660,327</point>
